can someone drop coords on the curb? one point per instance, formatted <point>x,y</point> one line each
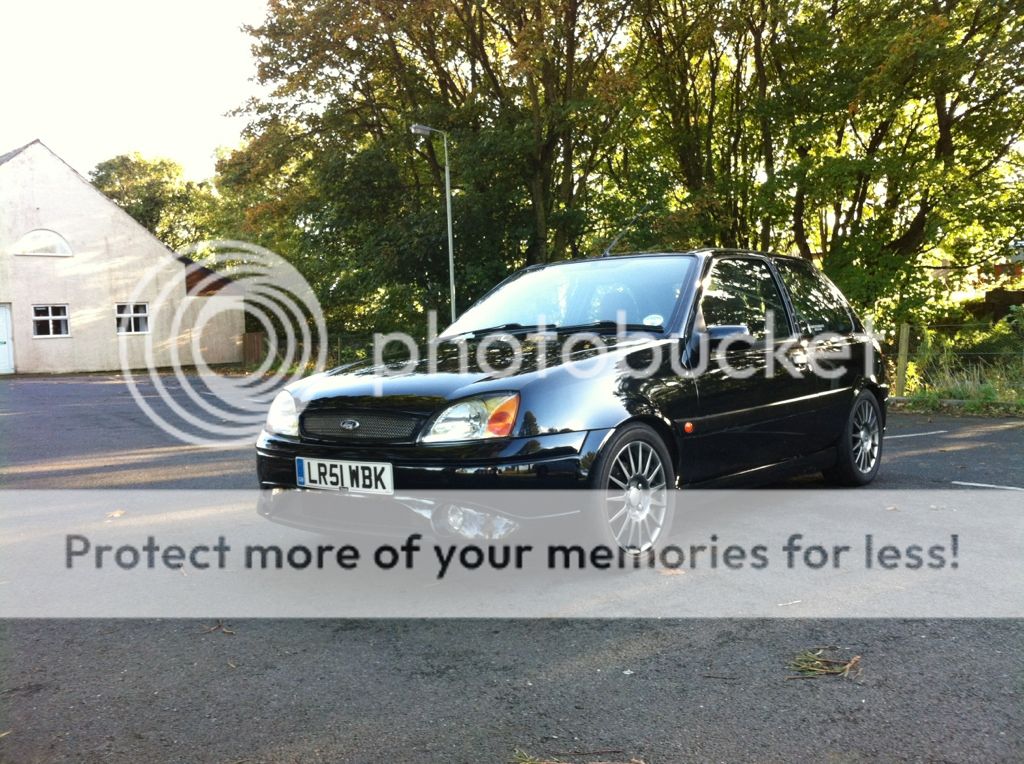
<point>950,402</point>
<point>941,401</point>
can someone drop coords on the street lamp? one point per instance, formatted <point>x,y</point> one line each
<point>426,131</point>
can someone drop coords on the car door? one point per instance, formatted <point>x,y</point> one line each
<point>753,406</point>
<point>835,344</point>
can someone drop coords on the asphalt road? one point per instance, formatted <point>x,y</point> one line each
<point>478,691</point>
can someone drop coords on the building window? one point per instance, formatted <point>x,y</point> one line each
<point>42,241</point>
<point>132,318</point>
<point>50,321</point>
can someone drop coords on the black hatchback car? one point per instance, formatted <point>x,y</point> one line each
<point>631,374</point>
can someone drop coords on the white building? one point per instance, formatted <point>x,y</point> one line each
<point>72,266</point>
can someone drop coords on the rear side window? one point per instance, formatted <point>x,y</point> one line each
<point>743,292</point>
<point>819,306</point>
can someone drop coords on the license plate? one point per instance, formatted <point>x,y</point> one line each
<point>333,475</point>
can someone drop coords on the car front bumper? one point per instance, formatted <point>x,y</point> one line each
<point>556,460</point>
<point>429,481</point>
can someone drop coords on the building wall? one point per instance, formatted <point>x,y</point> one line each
<point>112,257</point>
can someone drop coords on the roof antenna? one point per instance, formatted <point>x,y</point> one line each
<point>626,227</point>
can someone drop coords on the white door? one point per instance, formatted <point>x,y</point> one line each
<point>6,341</point>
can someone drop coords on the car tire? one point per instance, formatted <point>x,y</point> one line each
<point>859,448</point>
<point>633,481</point>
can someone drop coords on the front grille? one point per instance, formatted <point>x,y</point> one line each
<point>378,426</point>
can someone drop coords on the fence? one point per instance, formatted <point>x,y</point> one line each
<point>979,349</point>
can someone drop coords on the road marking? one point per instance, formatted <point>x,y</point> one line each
<point>916,434</point>
<point>987,485</point>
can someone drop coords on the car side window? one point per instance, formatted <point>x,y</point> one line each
<point>743,292</point>
<point>818,305</point>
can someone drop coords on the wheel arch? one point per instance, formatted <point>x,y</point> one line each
<point>879,391</point>
<point>661,428</point>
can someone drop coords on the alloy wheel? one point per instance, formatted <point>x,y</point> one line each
<point>866,435</point>
<point>637,496</point>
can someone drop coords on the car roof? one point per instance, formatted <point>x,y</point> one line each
<point>704,252</point>
<point>708,252</point>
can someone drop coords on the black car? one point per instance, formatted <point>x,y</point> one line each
<point>631,374</point>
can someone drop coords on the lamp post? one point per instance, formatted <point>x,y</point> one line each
<point>424,130</point>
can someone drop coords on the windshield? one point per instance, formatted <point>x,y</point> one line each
<point>641,291</point>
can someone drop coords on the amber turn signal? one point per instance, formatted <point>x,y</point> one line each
<point>500,422</point>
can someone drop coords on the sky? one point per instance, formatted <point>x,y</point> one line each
<point>99,78</point>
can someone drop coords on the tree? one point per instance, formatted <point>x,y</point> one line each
<point>156,194</point>
<point>879,139</point>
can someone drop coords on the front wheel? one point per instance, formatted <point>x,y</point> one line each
<point>634,479</point>
<point>859,450</point>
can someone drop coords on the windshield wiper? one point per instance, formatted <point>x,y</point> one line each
<point>510,328</point>
<point>614,325</point>
<point>596,326</point>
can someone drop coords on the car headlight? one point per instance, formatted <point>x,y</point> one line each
<point>490,416</point>
<point>283,418</point>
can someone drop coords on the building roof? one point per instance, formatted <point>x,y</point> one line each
<point>199,280</point>
<point>12,154</point>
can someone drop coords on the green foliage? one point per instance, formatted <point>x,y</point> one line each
<point>156,194</point>
<point>980,363</point>
<point>1015,321</point>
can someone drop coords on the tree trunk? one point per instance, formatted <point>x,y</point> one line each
<point>799,206</point>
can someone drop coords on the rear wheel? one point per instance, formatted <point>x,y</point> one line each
<point>859,450</point>
<point>634,480</point>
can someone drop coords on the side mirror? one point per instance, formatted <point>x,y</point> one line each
<point>738,335</point>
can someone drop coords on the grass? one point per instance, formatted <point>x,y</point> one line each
<point>977,365</point>
<point>989,388</point>
<point>978,386</point>
<point>814,663</point>
<point>522,757</point>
